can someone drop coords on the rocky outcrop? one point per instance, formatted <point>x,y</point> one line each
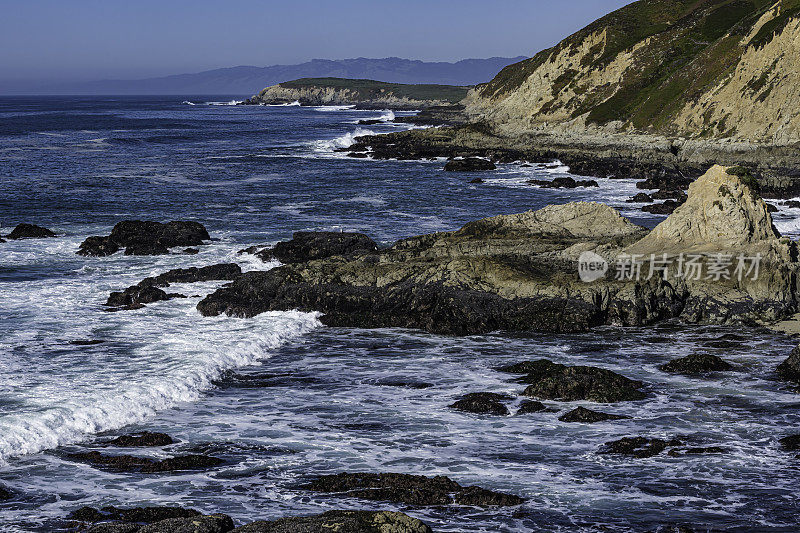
<point>131,463</point>
<point>29,231</point>
<point>145,238</point>
<point>521,272</point>
<point>310,245</point>
<point>469,164</point>
<point>789,370</point>
<point>588,416</point>
<point>341,522</point>
<point>409,489</point>
<point>563,183</point>
<point>638,447</point>
<point>484,403</point>
<point>367,94</point>
<point>146,439</point>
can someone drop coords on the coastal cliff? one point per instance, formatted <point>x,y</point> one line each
<point>364,93</point>
<point>709,69</point>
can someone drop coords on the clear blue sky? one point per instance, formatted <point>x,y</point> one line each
<point>90,39</point>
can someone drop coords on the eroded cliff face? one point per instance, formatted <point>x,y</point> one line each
<point>697,69</point>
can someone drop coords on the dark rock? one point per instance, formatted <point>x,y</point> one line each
<point>140,515</point>
<point>87,342</point>
<point>358,155</point>
<point>136,296</point>
<point>696,364</point>
<point>144,439</point>
<point>130,463</point>
<point>216,523</point>
<point>531,406</point>
<point>552,381</point>
<point>191,251</point>
<point>790,443</point>
<point>341,522</point>
<point>469,164</point>
<point>563,183</point>
<point>639,447</point>
<point>409,489</point>
<point>789,370</point>
<point>640,198</point>
<point>669,194</point>
<point>665,208</point>
<point>581,414</point>
<point>145,238</point>
<point>406,384</point>
<point>707,450</point>
<point>665,182</point>
<point>370,121</point>
<point>98,247</point>
<point>489,403</point>
<point>29,231</point>
<point>220,272</point>
<point>476,180</point>
<point>310,245</point>
<point>794,204</point>
<point>5,494</point>
<point>772,208</point>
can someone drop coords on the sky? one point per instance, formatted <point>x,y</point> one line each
<point>73,40</point>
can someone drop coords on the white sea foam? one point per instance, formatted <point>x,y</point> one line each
<point>329,108</point>
<point>232,102</point>
<point>187,102</point>
<point>388,116</point>
<point>296,103</point>
<point>343,141</point>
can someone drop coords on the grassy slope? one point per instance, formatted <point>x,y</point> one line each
<point>370,89</point>
<point>693,44</point>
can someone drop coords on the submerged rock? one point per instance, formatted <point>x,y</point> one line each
<point>131,463</point>
<point>552,381</point>
<point>216,523</point>
<point>5,494</point>
<point>469,164</point>
<point>640,198</point>
<point>489,403</point>
<point>145,439</point>
<point>29,231</point>
<point>135,297</point>
<point>697,363</point>
<point>145,238</point>
<point>581,414</point>
<point>409,489</point>
<point>141,515</point>
<point>639,447</point>
<point>311,245</point>
<point>790,443</point>
<point>341,522</point>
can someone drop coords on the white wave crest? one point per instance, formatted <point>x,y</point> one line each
<point>329,108</point>
<point>187,102</point>
<point>296,103</point>
<point>232,102</point>
<point>388,116</point>
<point>343,141</point>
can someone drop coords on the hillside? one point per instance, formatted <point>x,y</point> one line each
<point>340,91</point>
<point>692,68</point>
<point>246,80</point>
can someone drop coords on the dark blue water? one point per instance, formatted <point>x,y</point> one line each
<point>255,175</point>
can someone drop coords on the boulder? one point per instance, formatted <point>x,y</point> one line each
<point>5,494</point>
<point>469,164</point>
<point>553,381</point>
<point>790,443</point>
<point>640,198</point>
<point>29,231</point>
<point>488,403</point>
<point>587,416</point>
<point>789,370</point>
<point>409,489</point>
<point>135,297</point>
<point>341,522</point>
<point>664,208</point>
<point>638,447</point>
<point>697,363</point>
<point>311,245</point>
<point>219,272</point>
<point>145,238</point>
<point>141,515</point>
<point>531,406</point>
<point>131,463</point>
<point>145,439</point>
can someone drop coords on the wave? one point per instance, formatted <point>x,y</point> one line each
<point>232,102</point>
<point>296,103</point>
<point>187,102</point>
<point>387,116</point>
<point>343,141</point>
<point>328,108</point>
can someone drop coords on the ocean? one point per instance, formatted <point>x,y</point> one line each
<point>281,398</point>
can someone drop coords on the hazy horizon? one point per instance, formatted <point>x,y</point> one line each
<point>93,40</point>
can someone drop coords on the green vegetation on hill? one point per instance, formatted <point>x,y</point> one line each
<point>370,89</point>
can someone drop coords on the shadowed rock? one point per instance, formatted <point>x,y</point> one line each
<point>581,414</point>
<point>145,238</point>
<point>142,515</point>
<point>135,297</point>
<point>696,364</point>
<point>145,439</point>
<point>341,522</point>
<point>131,463</point>
<point>489,403</point>
<point>789,370</point>
<point>216,523</point>
<point>29,231</point>
<point>563,183</point>
<point>469,164</point>
<point>638,447</point>
<point>409,489</point>
<point>531,406</point>
<point>640,198</point>
<point>311,245</point>
<point>5,494</point>
<point>553,381</point>
<point>790,443</point>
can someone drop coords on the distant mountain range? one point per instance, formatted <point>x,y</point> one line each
<point>247,80</point>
